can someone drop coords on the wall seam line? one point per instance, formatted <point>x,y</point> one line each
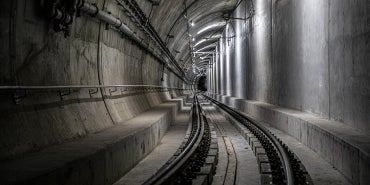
<point>328,59</point>
<point>99,66</point>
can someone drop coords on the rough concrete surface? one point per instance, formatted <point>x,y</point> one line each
<point>161,154</point>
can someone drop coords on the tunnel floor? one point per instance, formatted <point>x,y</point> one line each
<point>237,163</point>
<point>236,158</point>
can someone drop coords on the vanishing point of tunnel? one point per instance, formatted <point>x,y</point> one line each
<point>181,92</point>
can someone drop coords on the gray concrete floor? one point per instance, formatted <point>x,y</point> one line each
<point>246,163</point>
<point>161,154</point>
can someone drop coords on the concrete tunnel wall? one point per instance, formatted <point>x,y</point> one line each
<point>305,66</point>
<point>308,55</point>
<point>33,54</point>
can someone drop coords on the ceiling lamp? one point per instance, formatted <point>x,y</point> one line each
<point>211,26</point>
<point>191,23</point>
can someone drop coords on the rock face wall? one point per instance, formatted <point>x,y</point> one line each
<point>32,53</point>
<point>308,55</point>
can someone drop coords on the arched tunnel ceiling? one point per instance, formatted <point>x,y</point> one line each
<point>186,24</point>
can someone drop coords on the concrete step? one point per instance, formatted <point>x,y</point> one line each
<point>161,154</point>
<point>99,158</point>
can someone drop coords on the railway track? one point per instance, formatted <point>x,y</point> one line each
<point>227,166</point>
<point>195,161</point>
<point>278,165</point>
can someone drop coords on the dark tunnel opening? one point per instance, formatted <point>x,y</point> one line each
<point>202,83</point>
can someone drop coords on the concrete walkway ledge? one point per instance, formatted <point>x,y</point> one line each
<point>346,148</point>
<point>97,159</point>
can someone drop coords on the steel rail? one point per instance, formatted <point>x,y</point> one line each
<point>172,168</point>
<point>289,175</point>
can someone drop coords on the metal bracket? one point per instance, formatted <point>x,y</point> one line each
<point>110,90</point>
<point>123,90</point>
<point>63,93</point>
<point>93,91</point>
<point>97,10</point>
<point>18,95</point>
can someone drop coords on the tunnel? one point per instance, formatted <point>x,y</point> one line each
<point>113,92</point>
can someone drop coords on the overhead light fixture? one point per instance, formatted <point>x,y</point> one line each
<point>219,24</point>
<point>193,39</point>
<point>201,41</point>
<point>191,23</point>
